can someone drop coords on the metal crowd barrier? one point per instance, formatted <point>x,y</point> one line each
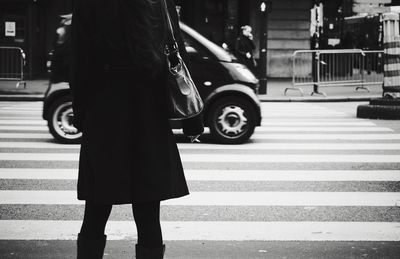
<point>12,61</point>
<point>329,68</point>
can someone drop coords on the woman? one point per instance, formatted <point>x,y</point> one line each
<point>128,153</point>
<point>244,47</point>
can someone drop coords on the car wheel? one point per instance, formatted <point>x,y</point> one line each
<point>61,121</point>
<point>232,120</point>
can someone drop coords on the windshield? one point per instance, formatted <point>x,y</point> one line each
<point>219,52</point>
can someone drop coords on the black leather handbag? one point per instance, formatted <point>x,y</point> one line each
<point>185,100</point>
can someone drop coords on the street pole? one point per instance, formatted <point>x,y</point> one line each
<point>265,8</point>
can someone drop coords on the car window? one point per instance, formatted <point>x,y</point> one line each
<point>194,48</point>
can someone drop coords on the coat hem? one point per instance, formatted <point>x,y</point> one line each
<point>132,201</point>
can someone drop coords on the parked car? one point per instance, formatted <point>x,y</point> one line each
<point>228,88</point>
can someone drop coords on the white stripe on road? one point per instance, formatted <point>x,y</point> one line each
<point>283,175</point>
<point>258,130</point>
<point>294,108</point>
<point>23,122</point>
<point>310,158</point>
<point>211,230</point>
<point>225,175</point>
<point>292,146</point>
<point>283,122</point>
<point>27,135</point>
<point>28,111</point>
<point>255,136</point>
<point>316,123</point>
<point>225,198</point>
<point>38,145</point>
<point>35,174</point>
<point>25,128</point>
<point>33,108</point>
<point>305,115</point>
<point>20,119</point>
<point>321,129</point>
<point>252,146</point>
<point>327,136</point>
<point>222,158</point>
<point>267,112</point>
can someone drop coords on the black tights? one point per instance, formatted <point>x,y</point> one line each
<point>147,219</point>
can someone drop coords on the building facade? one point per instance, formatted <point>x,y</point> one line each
<point>288,26</point>
<point>35,23</point>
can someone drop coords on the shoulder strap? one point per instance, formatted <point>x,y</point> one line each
<point>171,41</point>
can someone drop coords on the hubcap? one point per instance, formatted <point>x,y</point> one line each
<point>63,122</point>
<point>232,121</point>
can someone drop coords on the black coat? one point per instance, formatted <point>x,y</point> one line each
<point>128,152</point>
<point>244,45</point>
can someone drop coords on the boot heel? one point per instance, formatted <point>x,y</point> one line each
<point>91,248</point>
<point>147,253</point>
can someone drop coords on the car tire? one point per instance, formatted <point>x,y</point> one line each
<point>60,121</point>
<point>231,120</point>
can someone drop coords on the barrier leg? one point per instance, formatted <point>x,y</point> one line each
<point>316,74</point>
<point>294,88</point>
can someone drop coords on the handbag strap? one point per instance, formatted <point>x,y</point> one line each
<point>172,45</point>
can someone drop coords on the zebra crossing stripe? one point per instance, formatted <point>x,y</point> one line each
<point>301,113</point>
<point>26,135</point>
<point>225,198</point>
<point>225,175</point>
<point>258,130</point>
<point>316,123</point>
<point>294,146</point>
<point>211,230</point>
<point>32,121</point>
<point>305,115</point>
<point>322,129</point>
<point>224,158</point>
<point>21,121</point>
<point>38,145</point>
<point>256,136</point>
<point>252,146</point>
<point>327,136</point>
<point>11,109</point>
<point>26,128</point>
<point>33,112</point>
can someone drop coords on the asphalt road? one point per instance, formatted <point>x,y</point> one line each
<point>313,182</point>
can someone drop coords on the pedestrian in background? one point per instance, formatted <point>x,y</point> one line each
<point>128,153</point>
<point>244,48</point>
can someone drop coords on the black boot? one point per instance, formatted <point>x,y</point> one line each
<point>91,248</point>
<point>149,253</point>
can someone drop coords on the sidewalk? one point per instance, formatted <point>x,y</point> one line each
<point>35,90</point>
<point>276,89</point>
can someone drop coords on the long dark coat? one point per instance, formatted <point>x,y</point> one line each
<point>128,152</point>
<point>245,45</point>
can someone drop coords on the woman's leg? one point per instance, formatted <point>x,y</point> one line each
<point>147,219</point>
<point>95,220</point>
<point>91,239</point>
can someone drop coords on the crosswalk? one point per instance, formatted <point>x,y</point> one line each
<point>309,173</point>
